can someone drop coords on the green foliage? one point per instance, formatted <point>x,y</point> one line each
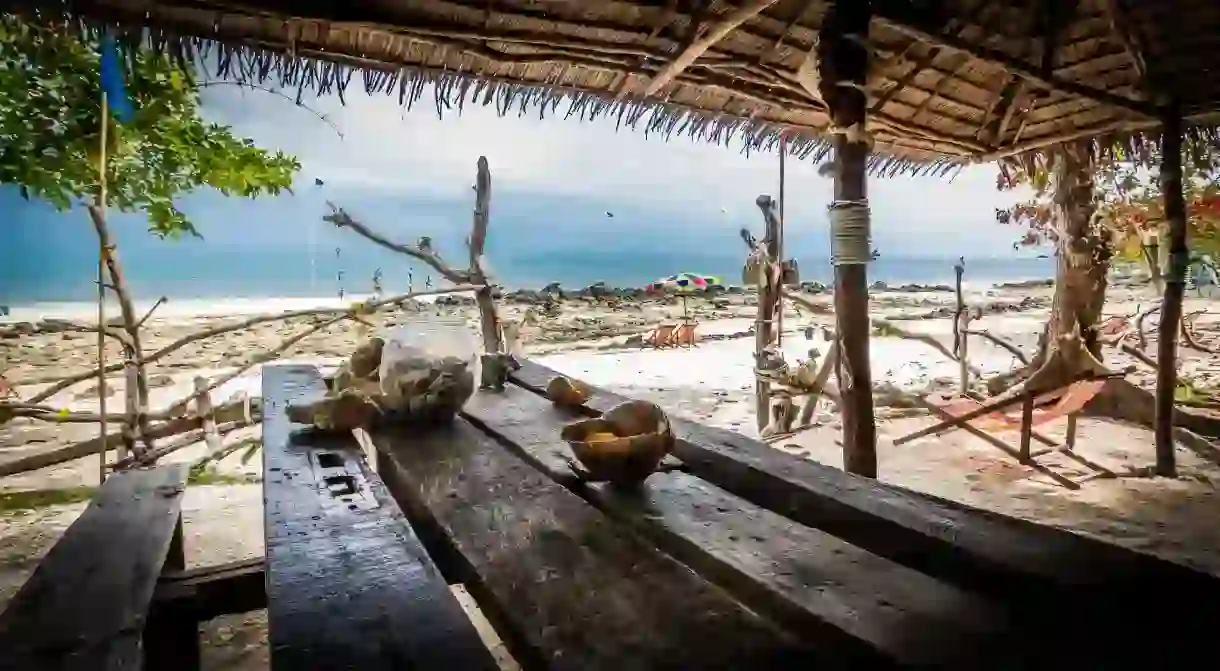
<point>50,125</point>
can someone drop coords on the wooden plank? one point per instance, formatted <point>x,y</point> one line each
<point>829,591</point>
<point>1016,560</point>
<point>212,591</point>
<point>566,587</point>
<point>349,585</point>
<point>85,605</point>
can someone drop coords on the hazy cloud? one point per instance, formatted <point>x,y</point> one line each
<point>390,151</point>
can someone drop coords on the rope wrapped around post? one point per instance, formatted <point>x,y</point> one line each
<point>849,233</point>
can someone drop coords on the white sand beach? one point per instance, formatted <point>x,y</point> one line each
<point>711,382</point>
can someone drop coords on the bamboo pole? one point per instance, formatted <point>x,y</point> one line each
<point>1175,288</point>
<point>843,64</point>
<point>101,300</point>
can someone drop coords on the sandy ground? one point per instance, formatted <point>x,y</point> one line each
<point>711,383</point>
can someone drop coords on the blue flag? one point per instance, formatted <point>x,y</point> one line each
<point>112,82</point>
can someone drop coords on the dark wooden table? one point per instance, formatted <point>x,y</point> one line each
<point>744,558</point>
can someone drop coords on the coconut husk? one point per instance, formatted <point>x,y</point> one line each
<point>643,438</point>
<point>426,389</point>
<point>566,392</point>
<point>365,361</point>
<point>347,410</point>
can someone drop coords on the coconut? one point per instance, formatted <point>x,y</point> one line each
<point>565,392</point>
<point>623,446</point>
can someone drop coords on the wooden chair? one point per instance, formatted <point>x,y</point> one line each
<point>984,419</point>
<point>661,336</point>
<point>684,335</point>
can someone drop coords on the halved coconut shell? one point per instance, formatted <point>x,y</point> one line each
<point>565,392</point>
<point>644,438</point>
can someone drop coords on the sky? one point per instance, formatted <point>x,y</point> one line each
<point>555,184</point>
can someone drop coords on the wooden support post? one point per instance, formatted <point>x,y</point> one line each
<point>1070,439</point>
<point>961,322</point>
<point>768,296</point>
<point>1027,427</point>
<point>171,636</point>
<point>844,60</point>
<point>1175,287</point>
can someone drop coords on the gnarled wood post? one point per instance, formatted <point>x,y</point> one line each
<point>843,69</point>
<point>478,239</point>
<point>1175,288</point>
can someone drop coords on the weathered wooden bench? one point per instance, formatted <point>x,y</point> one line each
<point>85,605</point>
<point>744,558</point>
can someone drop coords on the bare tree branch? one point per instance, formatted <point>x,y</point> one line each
<point>422,251</point>
<point>64,383</point>
<point>151,311</point>
<point>137,381</point>
<point>30,462</point>
<point>1012,349</point>
<point>179,406</point>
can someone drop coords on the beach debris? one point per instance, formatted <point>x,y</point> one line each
<point>623,446</point>
<point>566,392</point>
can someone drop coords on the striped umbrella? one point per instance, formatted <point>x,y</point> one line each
<point>682,284</point>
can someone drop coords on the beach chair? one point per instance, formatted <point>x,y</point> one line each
<point>661,336</point>
<point>684,335</point>
<point>985,419</point>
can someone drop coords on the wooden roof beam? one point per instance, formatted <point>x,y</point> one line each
<point>1119,17</point>
<point>700,46</point>
<point>908,21</point>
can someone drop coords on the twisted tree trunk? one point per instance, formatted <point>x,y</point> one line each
<point>1083,257</point>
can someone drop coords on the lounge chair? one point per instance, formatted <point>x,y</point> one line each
<point>983,419</point>
<point>661,336</point>
<point>684,334</point>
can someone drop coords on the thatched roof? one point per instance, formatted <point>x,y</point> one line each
<point>952,81</point>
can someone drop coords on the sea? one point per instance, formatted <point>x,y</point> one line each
<point>253,252</point>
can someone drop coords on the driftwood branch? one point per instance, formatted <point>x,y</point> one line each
<point>1139,325</point>
<point>1188,333</point>
<point>224,413</point>
<point>492,342</point>
<point>421,251</point>
<point>1012,349</point>
<point>887,328</point>
<point>65,382</point>
<point>184,440</point>
<point>151,311</point>
<point>179,406</point>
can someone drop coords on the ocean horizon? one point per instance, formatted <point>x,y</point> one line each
<point>280,248</point>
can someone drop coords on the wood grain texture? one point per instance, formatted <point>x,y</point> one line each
<point>567,587</point>
<point>85,605</point>
<point>1082,585</point>
<point>951,540</point>
<point>349,585</point>
<point>826,590</point>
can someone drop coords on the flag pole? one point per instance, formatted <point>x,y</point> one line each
<point>101,296</point>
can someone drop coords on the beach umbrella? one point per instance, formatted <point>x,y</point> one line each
<point>682,284</point>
